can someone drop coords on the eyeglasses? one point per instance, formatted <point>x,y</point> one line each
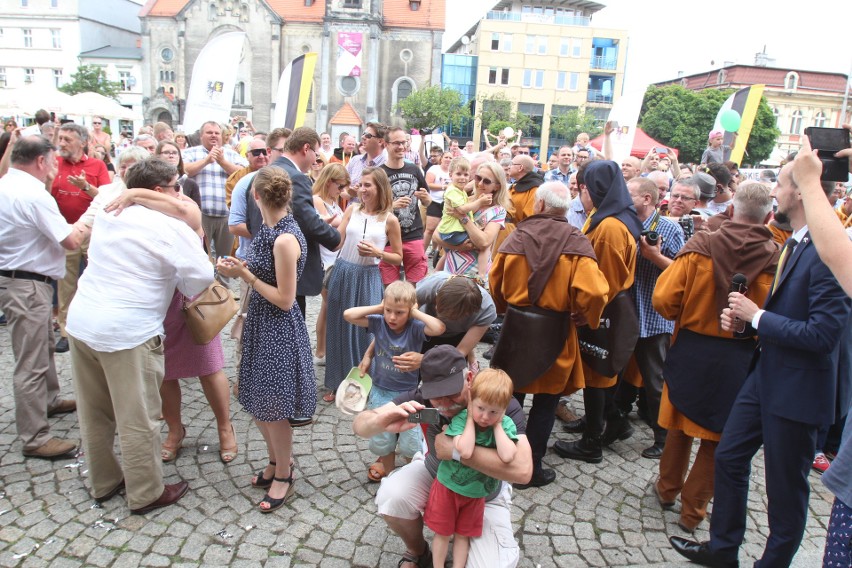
<point>676,196</point>
<point>482,180</point>
<point>258,152</point>
<point>169,153</point>
<point>400,144</point>
<point>279,150</point>
<point>368,136</point>
<point>96,123</point>
<point>582,158</point>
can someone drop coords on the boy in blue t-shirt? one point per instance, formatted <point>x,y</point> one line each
<point>398,327</point>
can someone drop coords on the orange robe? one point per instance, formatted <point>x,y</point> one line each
<point>685,293</point>
<point>779,235</point>
<point>576,285</point>
<point>523,202</point>
<point>615,248</point>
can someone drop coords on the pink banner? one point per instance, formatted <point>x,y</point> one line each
<point>349,54</point>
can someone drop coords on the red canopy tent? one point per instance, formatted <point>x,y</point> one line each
<point>642,144</point>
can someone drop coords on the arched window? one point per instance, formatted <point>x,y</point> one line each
<point>722,76</point>
<point>240,93</point>
<point>403,90</point>
<point>791,81</point>
<point>777,115</point>
<point>796,123</point>
<point>820,119</point>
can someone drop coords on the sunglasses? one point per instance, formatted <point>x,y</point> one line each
<point>368,136</point>
<point>96,123</point>
<point>483,181</point>
<point>258,152</point>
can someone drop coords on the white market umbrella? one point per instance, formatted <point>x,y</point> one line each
<point>93,104</point>
<point>27,100</point>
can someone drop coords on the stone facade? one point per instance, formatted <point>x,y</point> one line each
<point>399,53</point>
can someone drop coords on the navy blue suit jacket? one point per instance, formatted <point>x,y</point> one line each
<point>317,232</point>
<point>799,334</point>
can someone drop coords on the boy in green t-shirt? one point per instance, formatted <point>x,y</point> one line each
<point>456,502</point>
<point>452,230</point>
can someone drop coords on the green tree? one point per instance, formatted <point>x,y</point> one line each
<point>91,78</point>
<point>496,113</point>
<point>566,126</point>
<point>429,108</point>
<point>681,118</point>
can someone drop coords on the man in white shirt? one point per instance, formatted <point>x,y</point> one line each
<point>33,240</point>
<point>115,327</point>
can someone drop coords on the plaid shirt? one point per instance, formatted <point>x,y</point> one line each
<point>211,179</point>
<point>357,165</point>
<point>557,175</point>
<point>650,322</point>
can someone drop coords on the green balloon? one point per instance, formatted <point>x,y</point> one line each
<point>730,120</point>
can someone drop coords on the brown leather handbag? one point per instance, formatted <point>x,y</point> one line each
<point>607,349</point>
<point>209,312</point>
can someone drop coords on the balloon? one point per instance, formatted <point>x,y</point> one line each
<point>508,132</point>
<point>730,120</point>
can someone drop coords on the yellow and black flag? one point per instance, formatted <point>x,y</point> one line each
<point>294,90</point>
<point>737,116</point>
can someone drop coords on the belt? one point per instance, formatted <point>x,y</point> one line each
<point>24,275</point>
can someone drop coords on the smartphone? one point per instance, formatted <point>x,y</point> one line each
<point>827,141</point>
<point>425,416</point>
<point>661,150</point>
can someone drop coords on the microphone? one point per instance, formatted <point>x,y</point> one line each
<point>739,283</point>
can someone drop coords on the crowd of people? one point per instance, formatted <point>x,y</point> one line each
<point>619,277</point>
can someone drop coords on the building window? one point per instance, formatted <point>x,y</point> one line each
<point>495,42</point>
<point>564,46</point>
<point>28,37</point>
<point>820,120</point>
<point>507,42</point>
<point>539,79</point>
<point>576,47</point>
<point>492,76</point>
<point>240,93</point>
<point>791,81</point>
<point>166,54</point>
<point>536,113</point>
<point>348,86</point>
<point>542,45</point>
<point>54,3</point>
<point>796,123</point>
<point>527,78</point>
<point>24,3</point>
<point>777,116</point>
<point>530,46</point>
<point>352,4</point>
<point>29,75</point>
<point>504,77</point>
<point>57,78</point>
<point>56,38</point>
<point>124,79</point>
<point>560,80</point>
<point>403,89</point>
<point>2,76</point>
<point>720,78</point>
<point>573,81</point>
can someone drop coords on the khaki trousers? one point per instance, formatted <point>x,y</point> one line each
<point>28,307</point>
<point>121,390</point>
<point>696,489</point>
<point>67,287</point>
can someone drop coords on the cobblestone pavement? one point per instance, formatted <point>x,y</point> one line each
<point>593,515</point>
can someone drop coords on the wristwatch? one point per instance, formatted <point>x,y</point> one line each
<point>464,220</point>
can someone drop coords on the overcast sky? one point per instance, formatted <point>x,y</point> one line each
<point>687,35</point>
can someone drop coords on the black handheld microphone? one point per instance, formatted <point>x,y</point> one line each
<point>739,283</point>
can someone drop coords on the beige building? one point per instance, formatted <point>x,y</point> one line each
<point>371,54</point>
<point>547,58</point>
<point>798,98</point>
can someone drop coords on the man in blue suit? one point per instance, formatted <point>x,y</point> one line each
<point>300,151</point>
<point>789,393</point>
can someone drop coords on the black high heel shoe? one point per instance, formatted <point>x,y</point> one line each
<point>275,504</point>
<point>263,482</point>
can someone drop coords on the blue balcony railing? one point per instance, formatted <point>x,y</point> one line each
<point>603,63</point>
<point>598,96</point>
<point>538,18</point>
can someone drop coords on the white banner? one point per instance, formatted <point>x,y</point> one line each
<point>214,77</point>
<point>624,115</point>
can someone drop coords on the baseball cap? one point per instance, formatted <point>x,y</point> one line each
<point>714,133</point>
<point>442,372</point>
<point>351,395</point>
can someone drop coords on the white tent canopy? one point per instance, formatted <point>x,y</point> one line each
<point>27,100</point>
<point>93,104</point>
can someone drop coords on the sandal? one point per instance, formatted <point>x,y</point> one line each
<point>422,561</point>
<point>328,397</point>
<point>264,482</point>
<point>376,472</point>
<point>275,504</point>
<point>228,455</point>
<point>170,454</point>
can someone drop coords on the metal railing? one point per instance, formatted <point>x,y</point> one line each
<point>601,62</point>
<point>598,96</point>
<point>538,18</point>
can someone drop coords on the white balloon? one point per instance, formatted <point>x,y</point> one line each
<point>508,132</point>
